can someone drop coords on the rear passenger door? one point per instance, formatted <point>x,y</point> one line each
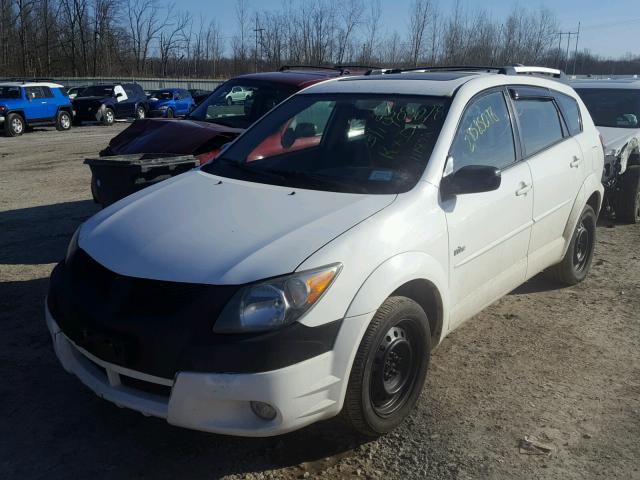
<point>489,231</point>
<point>49,102</point>
<point>557,168</point>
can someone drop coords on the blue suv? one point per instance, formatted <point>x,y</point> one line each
<point>170,102</point>
<point>28,104</point>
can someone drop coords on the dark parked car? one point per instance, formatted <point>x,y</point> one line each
<point>107,102</point>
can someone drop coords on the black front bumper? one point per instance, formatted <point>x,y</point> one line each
<point>161,328</point>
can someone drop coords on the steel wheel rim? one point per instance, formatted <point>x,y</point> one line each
<point>109,117</point>
<point>16,124</point>
<point>582,247</point>
<point>65,121</point>
<point>394,369</point>
<point>140,113</point>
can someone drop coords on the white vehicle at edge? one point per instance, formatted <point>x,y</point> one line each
<point>615,108</point>
<point>310,269</point>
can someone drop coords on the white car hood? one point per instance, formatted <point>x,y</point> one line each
<point>202,228</point>
<point>616,138</point>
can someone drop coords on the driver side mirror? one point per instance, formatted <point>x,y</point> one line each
<point>470,179</point>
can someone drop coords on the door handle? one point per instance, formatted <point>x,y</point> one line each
<point>524,189</point>
<point>575,163</point>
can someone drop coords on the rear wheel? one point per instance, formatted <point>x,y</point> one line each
<point>576,263</point>
<point>140,112</point>
<point>390,367</point>
<point>628,198</point>
<point>109,117</point>
<point>170,113</point>
<point>229,101</point>
<point>14,125</point>
<point>63,120</point>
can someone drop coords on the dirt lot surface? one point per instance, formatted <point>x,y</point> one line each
<point>560,364</point>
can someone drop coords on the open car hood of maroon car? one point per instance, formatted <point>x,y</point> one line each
<point>170,136</point>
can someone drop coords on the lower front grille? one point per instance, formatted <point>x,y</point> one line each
<point>144,386</point>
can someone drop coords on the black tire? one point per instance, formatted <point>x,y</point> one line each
<point>109,117</point>
<point>393,356</point>
<point>170,113</point>
<point>628,197</point>
<point>576,263</point>
<point>14,125</point>
<point>140,112</point>
<point>63,121</point>
<point>229,101</point>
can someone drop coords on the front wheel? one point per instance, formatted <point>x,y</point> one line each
<point>140,112</point>
<point>229,101</point>
<point>63,121</point>
<point>390,368</point>
<point>576,263</point>
<point>109,117</point>
<point>14,125</point>
<point>170,113</point>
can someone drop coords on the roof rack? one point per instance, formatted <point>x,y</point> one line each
<point>27,79</point>
<point>284,68</point>
<point>341,69</point>
<point>516,69</point>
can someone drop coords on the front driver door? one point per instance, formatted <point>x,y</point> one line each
<point>488,232</point>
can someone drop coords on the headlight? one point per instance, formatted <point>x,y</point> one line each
<point>275,303</point>
<point>73,247</point>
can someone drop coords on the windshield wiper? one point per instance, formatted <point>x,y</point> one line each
<point>320,180</point>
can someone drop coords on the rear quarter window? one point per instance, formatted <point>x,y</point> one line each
<point>570,112</point>
<point>539,123</point>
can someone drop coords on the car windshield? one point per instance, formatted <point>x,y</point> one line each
<point>98,91</point>
<point>612,107</point>
<point>239,103</point>
<point>162,94</point>
<point>9,92</point>
<point>374,144</point>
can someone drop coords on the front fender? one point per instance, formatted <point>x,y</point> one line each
<point>395,272</point>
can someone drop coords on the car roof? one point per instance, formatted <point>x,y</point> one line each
<point>624,83</point>
<point>296,78</point>
<point>436,83</point>
<point>31,84</point>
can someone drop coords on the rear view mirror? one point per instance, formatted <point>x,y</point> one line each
<point>470,179</point>
<point>288,138</point>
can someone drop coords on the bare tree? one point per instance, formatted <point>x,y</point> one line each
<point>418,21</point>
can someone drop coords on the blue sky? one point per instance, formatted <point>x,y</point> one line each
<point>608,27</point>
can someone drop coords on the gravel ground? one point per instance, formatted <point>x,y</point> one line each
<point>560,364</point>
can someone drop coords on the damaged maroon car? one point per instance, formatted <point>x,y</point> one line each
<point>226,113</point>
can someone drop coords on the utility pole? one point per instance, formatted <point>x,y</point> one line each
<point>258,31</point>
<point>566,59</point>
<point>575,53</point>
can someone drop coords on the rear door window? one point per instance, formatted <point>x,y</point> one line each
<point>539,123</point>
<point>485,134</point>
<point>35,92</point>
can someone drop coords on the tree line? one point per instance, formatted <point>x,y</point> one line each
<point>139,38</point>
